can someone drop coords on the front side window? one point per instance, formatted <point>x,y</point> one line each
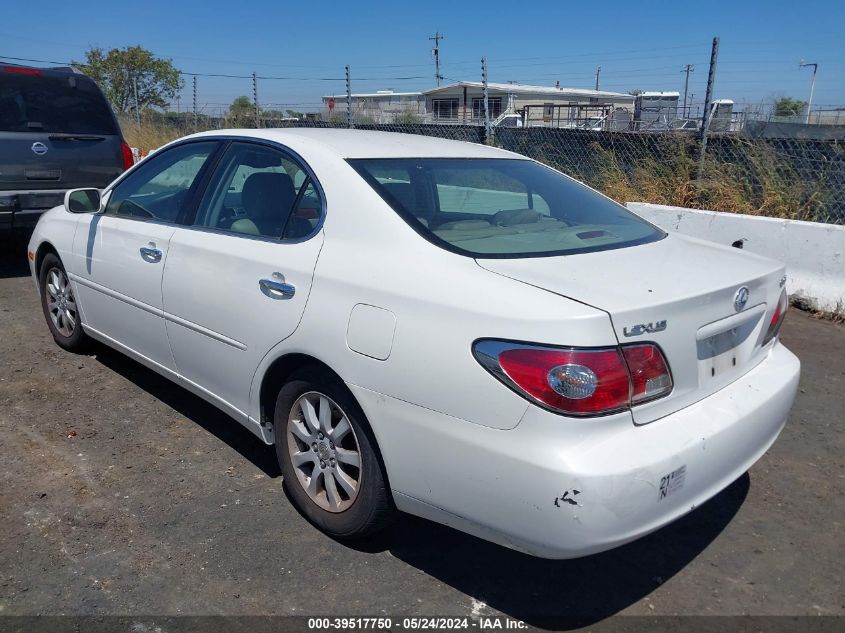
<point>502,207</point>
<point>161,187</point>
<point>260,191</point>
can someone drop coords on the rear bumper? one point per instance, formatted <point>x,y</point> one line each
<point>518,487</point>
<point>20,209</point>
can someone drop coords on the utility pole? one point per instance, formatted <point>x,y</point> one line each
<point>708,98</point>
<point>488,129</point>
<point>812,86</point>
<point>689,68</point>
<point>255,99</point>
<point>195,103</point>
<point>137,108</point>
<point>598,72</point>
<point>349,122</point>
<point>436,52</point>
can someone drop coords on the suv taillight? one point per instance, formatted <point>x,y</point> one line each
<point>777,318</point>
<point>126,155</point>
<point>576,381</point>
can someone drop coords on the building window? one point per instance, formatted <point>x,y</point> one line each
<point>494,104</point>
<point>445,108</point>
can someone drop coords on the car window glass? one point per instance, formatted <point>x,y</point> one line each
<point>306,215</point>
<point>253,191</point>
<point>483,192</point>
<point>159,188</point>
<point>502,207</point>
<point>68,103</point>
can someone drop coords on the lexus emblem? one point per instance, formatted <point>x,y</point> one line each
<point>39,148</point>
<point>741,298</point>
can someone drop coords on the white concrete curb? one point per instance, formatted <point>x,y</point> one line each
<point>814,253</point>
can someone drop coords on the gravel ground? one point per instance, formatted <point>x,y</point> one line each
<point>121,493</point>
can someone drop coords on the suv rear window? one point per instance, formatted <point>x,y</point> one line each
<point>495,207</point>
<point>53,102</point>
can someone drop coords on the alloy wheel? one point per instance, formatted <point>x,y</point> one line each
<point>324,451</point>
<point>61,304</point>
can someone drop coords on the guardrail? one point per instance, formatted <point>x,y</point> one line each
<point>814,252</point>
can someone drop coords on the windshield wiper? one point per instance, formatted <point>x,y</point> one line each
<point>76,137</point>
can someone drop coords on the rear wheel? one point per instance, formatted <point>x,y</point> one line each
<point>59,305</point>
<point>328,458</point>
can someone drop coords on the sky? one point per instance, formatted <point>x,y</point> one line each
<point>639,45</point>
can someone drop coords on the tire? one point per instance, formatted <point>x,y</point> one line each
<point>360,505</point>
<point>59,305</point>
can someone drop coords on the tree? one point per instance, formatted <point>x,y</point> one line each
<point>786,106</point>
<point>242,111</point>
<point>635,92</point>
<point>121,71</point>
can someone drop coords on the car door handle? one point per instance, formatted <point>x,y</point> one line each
<point>152,255</point>
<point>276,289</point>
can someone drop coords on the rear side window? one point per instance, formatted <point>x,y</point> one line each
<point>53,103</point>
<point>260,191</point>
<point>502,207</point>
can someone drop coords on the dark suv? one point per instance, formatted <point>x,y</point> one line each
<point>57,132</point>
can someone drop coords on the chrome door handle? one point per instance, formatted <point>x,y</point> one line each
<point>150,254</point>
<point>276,289</point>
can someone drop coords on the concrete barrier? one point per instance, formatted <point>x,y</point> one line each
<point>814,253</point>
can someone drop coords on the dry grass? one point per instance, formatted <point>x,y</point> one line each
<point>149,135</point>
<point>756,182</point>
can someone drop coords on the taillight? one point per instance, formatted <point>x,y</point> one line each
<point>126,155</point>
<point>579,382</point>
<point>575,381</point>
<point>777,318</point>
<point>650,377</point>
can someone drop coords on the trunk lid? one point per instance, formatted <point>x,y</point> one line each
<point>679,293</point>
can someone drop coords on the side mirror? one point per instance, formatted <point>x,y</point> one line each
<point>82,200</point>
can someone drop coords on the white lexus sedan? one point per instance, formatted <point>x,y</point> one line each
<point>436,327</point>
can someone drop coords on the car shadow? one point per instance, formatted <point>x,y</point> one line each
<point>13,254</point>
<point>563,594</point>
<point>558,595</point>
<point>194,408</point>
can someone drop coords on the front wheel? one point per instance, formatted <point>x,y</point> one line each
<point>328,458</point>
<point>59,305</point>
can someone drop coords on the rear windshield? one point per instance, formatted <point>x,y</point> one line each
<point>502,207</point>
<point>54,103</point>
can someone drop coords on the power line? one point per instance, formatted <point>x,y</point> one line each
<point>39,61</point>
<point>270,77</point>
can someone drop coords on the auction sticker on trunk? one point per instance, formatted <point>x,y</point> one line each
<point>672,482</point>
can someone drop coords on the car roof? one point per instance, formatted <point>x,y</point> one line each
<point>347,143</point>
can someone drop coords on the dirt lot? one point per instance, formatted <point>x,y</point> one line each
<point>120,493</point>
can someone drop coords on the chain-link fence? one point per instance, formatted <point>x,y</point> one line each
<point>788,178</point>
